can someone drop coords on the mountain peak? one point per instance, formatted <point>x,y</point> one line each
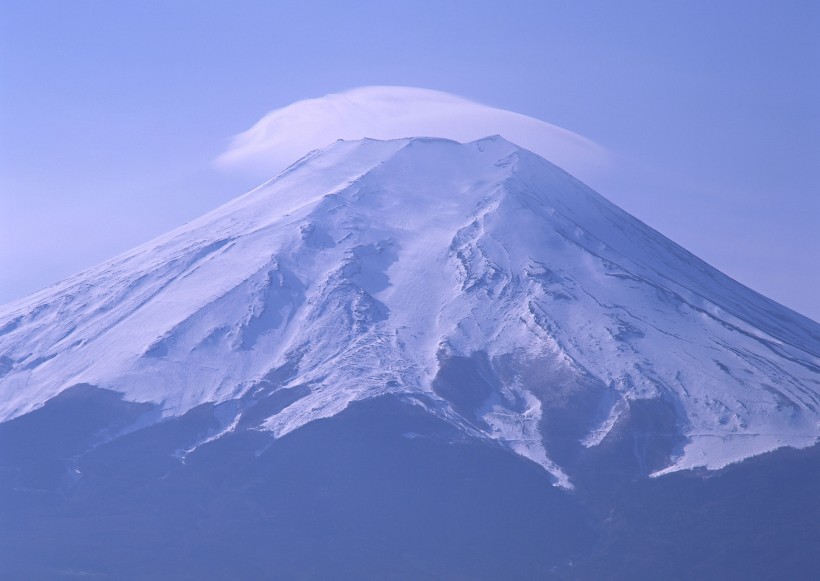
<point>477,280</point>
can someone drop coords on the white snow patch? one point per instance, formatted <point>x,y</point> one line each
<point>365,259</point>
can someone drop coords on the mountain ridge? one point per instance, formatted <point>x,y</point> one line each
<point>404,267</point>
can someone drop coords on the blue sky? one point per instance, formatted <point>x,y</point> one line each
<point>112,113</point>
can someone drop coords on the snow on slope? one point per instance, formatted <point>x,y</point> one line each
<point>362,269</point>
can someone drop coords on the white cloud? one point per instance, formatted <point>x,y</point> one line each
<point>284,135</point>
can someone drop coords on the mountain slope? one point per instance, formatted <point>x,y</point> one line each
<point>476,281</point>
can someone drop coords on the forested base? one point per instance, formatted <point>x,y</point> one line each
<point>757,519</point>
<point>381,491</point>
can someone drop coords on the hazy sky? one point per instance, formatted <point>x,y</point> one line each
<point>112,114</point>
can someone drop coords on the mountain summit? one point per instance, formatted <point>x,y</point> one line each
<point>477,282</point>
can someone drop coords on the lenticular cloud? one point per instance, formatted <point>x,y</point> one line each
<point>284,135</point>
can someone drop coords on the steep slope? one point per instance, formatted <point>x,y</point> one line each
<point>476,281</point>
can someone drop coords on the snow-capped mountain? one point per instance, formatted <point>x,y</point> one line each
<point>477,281</point>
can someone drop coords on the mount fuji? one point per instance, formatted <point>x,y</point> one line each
<point>390,324</point>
